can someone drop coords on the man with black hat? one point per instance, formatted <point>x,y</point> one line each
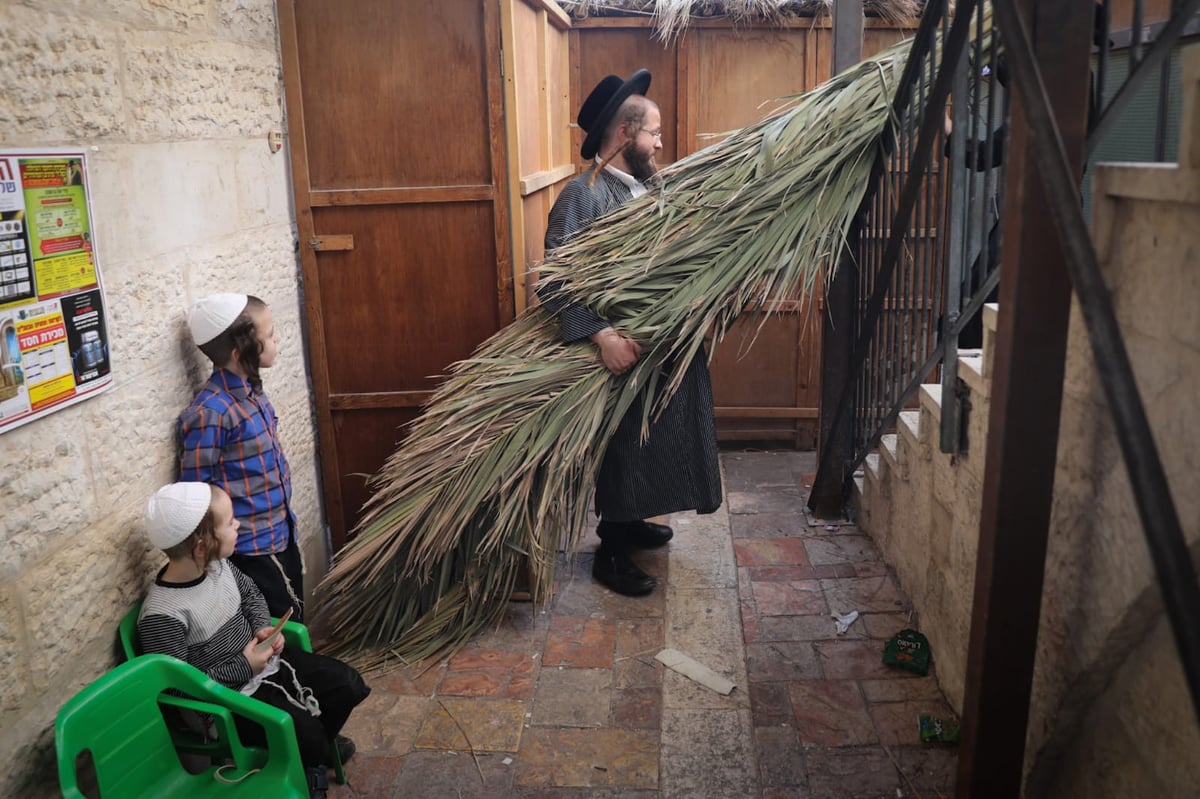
<point>676,469</point>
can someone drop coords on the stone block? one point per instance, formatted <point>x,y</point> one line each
<point>14,663</point>
<point>250,21</point>
<point>47,491</point>
<point>185,87</point>
<point>707,754</point>
<point>106,571</point>
<point>62,81</point>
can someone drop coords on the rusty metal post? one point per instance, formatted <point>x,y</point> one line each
<point>1035,296</point>
<point>837,331</point>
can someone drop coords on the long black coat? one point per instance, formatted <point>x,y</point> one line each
<point>677,468</point>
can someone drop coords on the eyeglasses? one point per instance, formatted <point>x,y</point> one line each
<point>657,134</point>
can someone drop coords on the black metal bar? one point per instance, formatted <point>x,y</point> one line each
<point>1164,534</point>
<point>1136,30</point>
<point>831,476</point>
<point>1154,59</point>
<point>1160,123</point>
<point>837,332</point>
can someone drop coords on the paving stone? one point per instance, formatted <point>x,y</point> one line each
<point>386,723</point>
<point>639,637</point>
<point>637,708</point>
<point>750,632</point>
<point>794,598</point>
<point>769,525</point>
<point>451,775</point>
<point>841,549</point>
<point>705,561</point>
<point>572,697</point>
<point>782,661</point>
<point>856,660</point>
<point>766,500</point>
<point>932,768</point>
<point>480,725</point>
<point>898,722</point>
<point>770,705</point>
<point>745,585</point>
<point>706,624</point>
<point>580,643</point>
<point>905,689</point>
<point>885,625</point>
<point>770,552</point>
<point>765,469</point>
<point>708,754</point>
<point>584,793</point>
<point>370,775</point>
<point>780,760</point>
<point>851,773</point>
<point>831,713</point>
<point>601,758</point>
<point>775,574</point>
<point>638,672</point>
<point>789,792</point>
<point>419,680</point>
<point>489,672</point>
<point>805,628</point>
<point>864,594</point>
<point>522,629</point>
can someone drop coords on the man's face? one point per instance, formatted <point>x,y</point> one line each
<point>647,141</point>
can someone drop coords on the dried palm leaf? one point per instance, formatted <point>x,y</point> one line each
<point>496,474</point>
<point>672,16</point>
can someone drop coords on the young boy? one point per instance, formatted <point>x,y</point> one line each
<point>205,612</point>
<point>229,436</point>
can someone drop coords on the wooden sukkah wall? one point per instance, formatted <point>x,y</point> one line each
<point>715,77</point>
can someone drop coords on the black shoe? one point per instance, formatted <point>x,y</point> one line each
<point>614,569</point>
<point>318,783</point>
<point>643,535</point>
<point>345,748</point>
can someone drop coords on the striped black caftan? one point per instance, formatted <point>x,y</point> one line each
<point>677,468</point>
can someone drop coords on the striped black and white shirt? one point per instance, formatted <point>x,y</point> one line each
<point>206,622</point>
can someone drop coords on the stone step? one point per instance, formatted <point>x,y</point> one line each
<point>970,371</point>
<point>931,413</point>
<point>909,426</point>
<point>887,448</point>
<point>871,466</point>
<point>991,315</point>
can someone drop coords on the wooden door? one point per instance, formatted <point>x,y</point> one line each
<point>395,119</point>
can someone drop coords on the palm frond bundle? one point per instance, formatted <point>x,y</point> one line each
<point>495,476</point>
<point>672,16</point>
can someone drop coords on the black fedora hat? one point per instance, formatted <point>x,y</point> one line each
<point>600,106</point>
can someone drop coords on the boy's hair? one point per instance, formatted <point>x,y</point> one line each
<point>206,531</point>
<point>240,337</point>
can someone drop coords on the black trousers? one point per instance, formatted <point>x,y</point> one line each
<point>280,577</point>
<point>336,686</point>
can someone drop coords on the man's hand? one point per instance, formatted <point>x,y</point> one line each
<point>618,352</point>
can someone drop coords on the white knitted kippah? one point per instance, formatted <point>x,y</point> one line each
<point>212,316</point>
<point>175,511</point>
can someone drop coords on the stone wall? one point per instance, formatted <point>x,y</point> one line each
<point>175,99</point>
<point>1111,716</point>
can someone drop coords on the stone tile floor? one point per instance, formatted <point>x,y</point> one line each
<point>568,702</point>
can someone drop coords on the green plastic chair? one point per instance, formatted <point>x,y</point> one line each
<point>226,744</point>
<point>117,719</point>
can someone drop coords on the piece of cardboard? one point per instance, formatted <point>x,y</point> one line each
<point>677,661</point>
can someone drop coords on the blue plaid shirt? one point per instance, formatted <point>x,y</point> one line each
<point>230,439</point>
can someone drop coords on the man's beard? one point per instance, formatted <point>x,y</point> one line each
<point>641,165</point>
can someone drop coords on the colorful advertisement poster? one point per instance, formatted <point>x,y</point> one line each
<point>53,323</point>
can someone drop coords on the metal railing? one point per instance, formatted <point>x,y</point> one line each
<point>926,248</point>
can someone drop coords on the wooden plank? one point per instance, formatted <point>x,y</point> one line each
<point>379,399</point>
<point>401,196</point>
<point>763,412</point>
<point>540,180</point>
<point>554,13</point>
<point>314,326</point>
<point>512,133</point>
<point>501,221</point>
<point>334,242</point>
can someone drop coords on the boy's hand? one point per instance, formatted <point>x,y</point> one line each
<point>276,645</point>
<point>257,660</point>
